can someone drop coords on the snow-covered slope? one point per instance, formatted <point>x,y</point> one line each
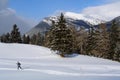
<point>40,63</point>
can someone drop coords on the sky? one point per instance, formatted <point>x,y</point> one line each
<point>38,9</point>
<point>28,13</point>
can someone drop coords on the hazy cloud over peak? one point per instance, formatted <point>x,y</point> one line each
<point>7,12</point>
<point>3,4</point>
<point>107,12</point>
<point>9,17</point>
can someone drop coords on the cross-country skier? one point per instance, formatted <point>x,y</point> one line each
<point>19,65</point>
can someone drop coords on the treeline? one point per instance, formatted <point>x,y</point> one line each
<point>66,39</point>
<point>15,37</point>
<point>99,42</point>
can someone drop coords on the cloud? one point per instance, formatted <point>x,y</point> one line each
<point>3,4</point>
<point>105,12</point>
<point>9,17</point>
<point>112,1</point>
<point>7,12</point>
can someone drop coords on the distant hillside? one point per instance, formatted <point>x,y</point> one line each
<point>73,19</point>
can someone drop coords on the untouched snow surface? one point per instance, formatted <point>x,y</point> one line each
<point>40,63</point>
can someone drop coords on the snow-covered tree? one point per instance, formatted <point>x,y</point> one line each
<point>61,38</point>
<point>49,36</point>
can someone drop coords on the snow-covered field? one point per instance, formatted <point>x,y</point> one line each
<point>40,63</point>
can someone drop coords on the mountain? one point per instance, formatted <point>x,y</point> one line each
<point>73,19</point>
<point>117,19</point>
<point>40,63</point>
<point>42,27</point>
<point>87,18</point>
<point>8,18</point>
<point>109,23</point>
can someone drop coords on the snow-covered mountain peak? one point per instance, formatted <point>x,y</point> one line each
<point>88,18</point>
<point>73,19</point>
<point>50,19</point>
<point>73,15</point>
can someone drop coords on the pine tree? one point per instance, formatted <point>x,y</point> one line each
<point>91,41</point>
<point>26,39</point>
<point>62,39</point>
<point>49,35</point>
<point>15,35</point>
<point>103,45</point>
<point>79,40</point>
<point>33,39</point>
<point>5,38</point>
<point>38,39</point>
<point>74,35</point>
<point>114,41</point>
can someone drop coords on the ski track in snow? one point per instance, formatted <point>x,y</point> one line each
<point>49,68</point>
<point>60,73</point>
